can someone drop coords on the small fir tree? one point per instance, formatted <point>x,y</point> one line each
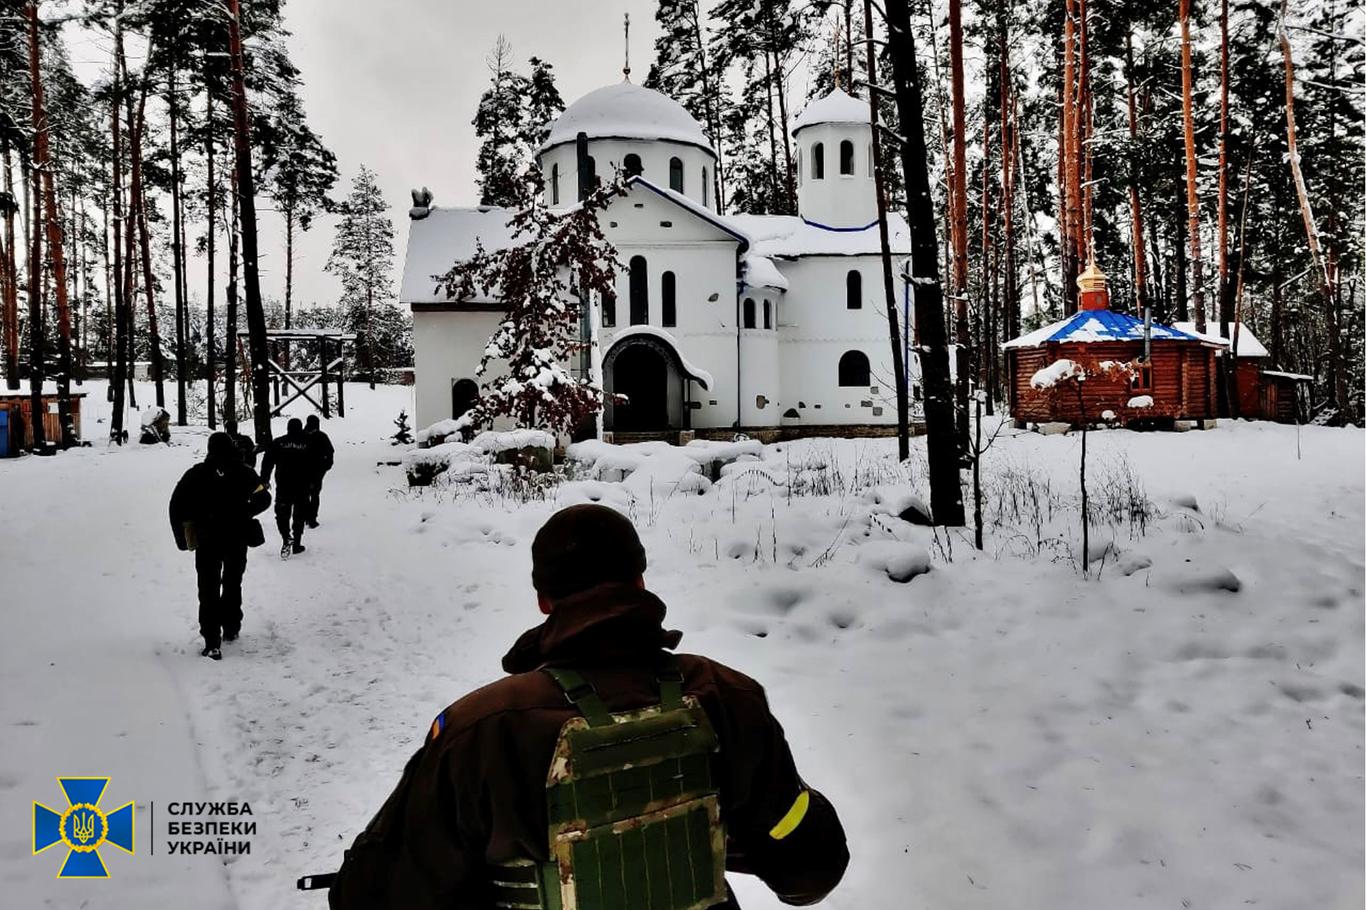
<point>500,122</point>
<point>404,435</point>
<point>558,261</point>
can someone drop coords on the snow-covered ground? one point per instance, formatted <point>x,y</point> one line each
<point>998,732</point>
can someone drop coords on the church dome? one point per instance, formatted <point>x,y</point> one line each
<point>626,111</point>
<point>836,107</point>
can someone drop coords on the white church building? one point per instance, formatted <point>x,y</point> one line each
<point>768,324</point>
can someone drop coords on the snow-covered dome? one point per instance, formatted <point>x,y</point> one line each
<point>626,111</point>
<point>836,107</point>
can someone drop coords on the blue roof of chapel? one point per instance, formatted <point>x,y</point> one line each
<point>1097,325</point>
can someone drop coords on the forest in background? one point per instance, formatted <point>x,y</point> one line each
<point>1154,138</point>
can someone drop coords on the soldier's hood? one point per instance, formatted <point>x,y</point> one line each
<point>612,623</point>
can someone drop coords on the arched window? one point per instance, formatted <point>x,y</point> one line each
<point>818,161</point>
<point>854,370</point>
<point>847,157</point>
<point>749,313</point>
<point>640,292</point>
<point>555,184</point>
<point>631,165</point>
<point>464,394</point>
<point>676,174</point>
<point>853,290</point>
<point>768,314</point>
<point>706,186</point>
<point>590,179</point>
<point>668,308</point>
<point>609,309</point>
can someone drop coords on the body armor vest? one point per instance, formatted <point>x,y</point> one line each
<point>634,815</point>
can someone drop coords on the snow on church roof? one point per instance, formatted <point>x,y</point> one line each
<point>790,236</point>
<point>626,111</point>
<point>1248,345</point>
<point>444,237</point>
<point>836,107</point>
<point>760,272</point>
<point>1096,325</point>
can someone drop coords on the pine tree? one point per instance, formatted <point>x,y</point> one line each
<point>501,123</point>
<point>683,71</point>
<point>557,261</point>
<point>299,171</point>
<point>543,104</point>
<point>363,258</point>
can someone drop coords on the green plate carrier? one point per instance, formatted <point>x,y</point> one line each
<point>634,818</point>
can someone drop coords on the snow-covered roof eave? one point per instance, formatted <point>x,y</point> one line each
<point>695,208</point>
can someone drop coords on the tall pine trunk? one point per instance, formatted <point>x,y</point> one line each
<point>55,239</point>
<point>118,372</point>
<point>177,251</point>
<point>36,353</point>
<point>946,493</point>
<point>1192,194</point>
<point>137,204</point>
<point>230,340</point>
<point>1135,202</point>
<point>958,211</point>
<point>9,303</point>
<point>1011,295</point>
<point>212,199</point>
<point>903,405</point>
<point>246,187</point>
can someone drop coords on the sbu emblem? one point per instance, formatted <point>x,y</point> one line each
<point>83,828</point>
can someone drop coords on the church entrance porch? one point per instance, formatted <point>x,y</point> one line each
<point>647,372</point>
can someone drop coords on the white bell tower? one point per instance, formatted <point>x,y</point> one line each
<point>835,186</point>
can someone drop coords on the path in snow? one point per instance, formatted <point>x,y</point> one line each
<point>999,732</point>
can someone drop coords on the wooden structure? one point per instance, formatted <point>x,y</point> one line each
<point>17,423</point>
<point>1136,373</point>
<point>1264,392</point>
<point>326,348</point>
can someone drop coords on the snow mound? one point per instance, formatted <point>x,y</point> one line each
<point>1193,579</point>
<point>899,502</point>
<point>1141,401</point>
<point>1055,373</point>
<point>584,492</point>
<point>442,429</point>
<point>897,560</point>
<point>491,443</point>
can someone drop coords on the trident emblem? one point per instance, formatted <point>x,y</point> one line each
<point>83,828</point>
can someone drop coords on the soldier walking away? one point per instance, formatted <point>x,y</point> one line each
<point>604,772</point>
<point>321,447</point>
<point>213,512</point>
<point>291,460</point>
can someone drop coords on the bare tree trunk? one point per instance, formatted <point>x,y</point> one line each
<point>1235,405</point>
<point>1085,241</point>
<point>118,373</point>
<point>946,493</point>
<point>55,239</point>
<point>1337,380</point>
<point>712,100</point>
<point>1070,152</point>
<point>177,252</point>
<point>959,214</point>
<point>1135,203</point>
<point>1011,297</point>
<point>774,207</point>
<point>256,315</point>
<point>903,405</point>
<point>1192,195</point>
<point>209,364</point>
<point>289,281</point>
<point>230,341</point>
<point>137,204</point>
<point>10,301</point>
<point>36,353</point>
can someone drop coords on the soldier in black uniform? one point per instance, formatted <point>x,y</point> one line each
<point>291,459</point>
<point>212,512</point>
<point>323,453</point>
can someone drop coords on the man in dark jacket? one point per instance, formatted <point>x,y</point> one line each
<point>291,460</point>
<point>211,513</point>
<point>473,798</point>
<point>321,447</point>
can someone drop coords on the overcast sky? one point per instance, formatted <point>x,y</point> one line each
<point>394,85</point>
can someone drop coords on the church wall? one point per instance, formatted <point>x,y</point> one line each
<point>654,158</point>
<point>446,347</point>
<point>817,328</point>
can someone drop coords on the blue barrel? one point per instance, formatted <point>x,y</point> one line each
<point>4,434</point>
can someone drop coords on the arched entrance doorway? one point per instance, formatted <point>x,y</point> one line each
<point>641,374</point>
<point>644,367</point>
<point>464,393</point>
